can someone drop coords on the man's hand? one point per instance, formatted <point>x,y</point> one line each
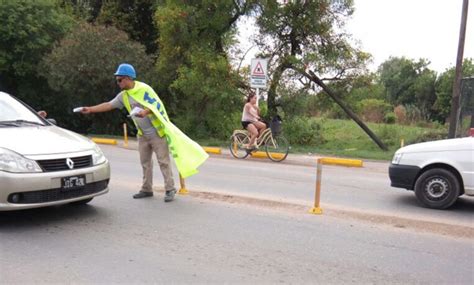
<point>43,114</point>
<point>86,110</point>
<point>143,113</point>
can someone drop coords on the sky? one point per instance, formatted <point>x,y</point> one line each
<point>411,28</point>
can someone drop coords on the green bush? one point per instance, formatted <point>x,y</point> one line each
<point>389,134</point>
<point>373,110</point>
<point>390,118</point>
<point>429,135</point>
<point>81,70</point>
<point>223,125</point>
<point>302,131</point>
<point>413,113</point>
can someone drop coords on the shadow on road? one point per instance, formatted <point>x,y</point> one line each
<point>50,216</point>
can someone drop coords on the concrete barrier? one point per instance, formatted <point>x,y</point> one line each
<point>262,154</point>
<point>104,141</point>
<point>342,162</point>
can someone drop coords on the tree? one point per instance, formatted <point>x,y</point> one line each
<point>193,65</point>
<point>305,38</point>
<point>135,17</point>
<point>28,31</point>
<point>352,90</point>
<point>81,70</point>
<point>409,82</point>
<point>444,89</point>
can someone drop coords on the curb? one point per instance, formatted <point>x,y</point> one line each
<point>332,211</point>
<point>257,154</point>
<point>341,161</point>
<point>214,150</point>
<point>293,159</point>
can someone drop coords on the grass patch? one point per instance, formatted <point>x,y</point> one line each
<point>345,138</point>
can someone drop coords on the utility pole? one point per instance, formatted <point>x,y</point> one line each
<point>453,121</point>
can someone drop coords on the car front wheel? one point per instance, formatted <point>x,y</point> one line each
<point>437,188</point>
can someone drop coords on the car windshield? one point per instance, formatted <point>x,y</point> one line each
<point>14,113</point>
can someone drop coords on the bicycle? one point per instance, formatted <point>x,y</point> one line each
<point>276,145</point>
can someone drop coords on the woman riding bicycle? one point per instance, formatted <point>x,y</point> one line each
<point>251,120</point>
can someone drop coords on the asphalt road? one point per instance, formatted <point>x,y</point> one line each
<point>216,239</point>
<point>363,190</point>
<point>116,239</point>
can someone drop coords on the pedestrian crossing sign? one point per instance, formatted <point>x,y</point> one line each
<point>258,73</point>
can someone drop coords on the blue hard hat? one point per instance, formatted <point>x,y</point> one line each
<point>126,69</point>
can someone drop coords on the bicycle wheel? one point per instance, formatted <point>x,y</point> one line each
<point>277,148</point>
<point>236,147</point>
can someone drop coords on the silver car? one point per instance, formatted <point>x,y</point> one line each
<point>44,165</point>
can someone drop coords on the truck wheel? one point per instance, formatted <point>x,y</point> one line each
<point>437,188</point>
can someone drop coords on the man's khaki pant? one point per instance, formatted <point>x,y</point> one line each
<point>158,145</point>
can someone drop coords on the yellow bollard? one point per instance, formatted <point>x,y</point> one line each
<point>331,161</point>
<point>402,142</point>
<point>125,137</point>
<point>182,190</point>
<point>317,195</point>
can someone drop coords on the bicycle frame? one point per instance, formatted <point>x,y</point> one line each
<point>267,133</point>
<point>271,144</point>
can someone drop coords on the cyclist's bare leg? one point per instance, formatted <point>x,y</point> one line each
<point>261,126</point>
<point>253,131</point>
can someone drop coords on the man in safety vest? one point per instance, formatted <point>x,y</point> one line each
<point>151,136</point>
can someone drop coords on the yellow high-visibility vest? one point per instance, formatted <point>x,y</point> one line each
<point>187,154</point>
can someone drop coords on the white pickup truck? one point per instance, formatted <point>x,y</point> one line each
<point>438,171</point>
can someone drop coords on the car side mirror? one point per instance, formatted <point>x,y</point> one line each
<point>52,121</point>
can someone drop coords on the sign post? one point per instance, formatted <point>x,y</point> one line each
<point>258,74</point>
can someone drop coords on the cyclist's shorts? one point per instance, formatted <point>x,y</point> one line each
<point>245,124</point>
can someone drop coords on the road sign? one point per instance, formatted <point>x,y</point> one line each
<point>258,73</point>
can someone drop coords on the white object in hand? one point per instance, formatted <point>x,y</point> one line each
<point>135,111</point>
<point>78,109</point>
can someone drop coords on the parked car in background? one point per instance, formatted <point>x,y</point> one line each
<point>438,171</point>
<point>44,165</point>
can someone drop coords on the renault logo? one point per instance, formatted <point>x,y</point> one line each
<point>70,163</point>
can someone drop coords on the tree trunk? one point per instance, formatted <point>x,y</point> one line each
<point>271,102</point>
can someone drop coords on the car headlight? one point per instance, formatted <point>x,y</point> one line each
<point>98,156</point>
<point>11,161</point>
<point>397,157</point>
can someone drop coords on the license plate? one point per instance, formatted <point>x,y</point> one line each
<point>73,182</point>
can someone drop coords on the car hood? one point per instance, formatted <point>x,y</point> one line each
<point>441,145</point>
<point>43,140</point>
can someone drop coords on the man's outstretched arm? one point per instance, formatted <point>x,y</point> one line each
<point>103,107</point>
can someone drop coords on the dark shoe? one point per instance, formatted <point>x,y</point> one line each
<point>169,195</point>
<point>142,194</point>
